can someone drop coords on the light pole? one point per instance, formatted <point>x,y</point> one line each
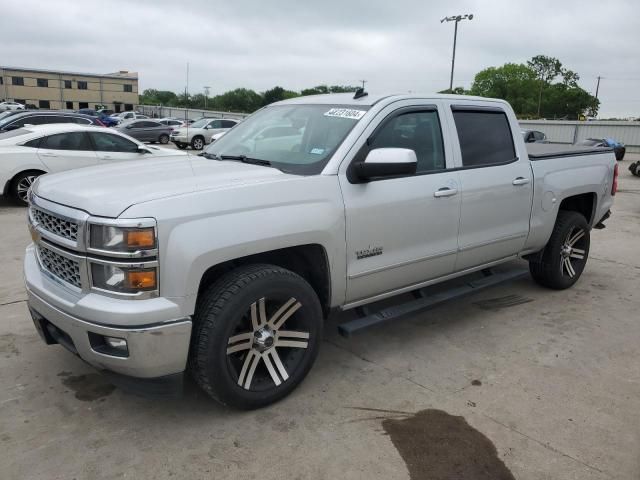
<point>206,96</point>
<point>455,18</point>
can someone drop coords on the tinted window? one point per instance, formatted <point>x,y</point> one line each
<point>106,142</point>
<point>43,82</point>
<point>35,143</point>
<point>80,120</point>
<point>33,120</point>
<point>67,84</point>
<point>82,105</point>
<point>538,135</point>
<point>44,104</point>
<point>136,125</point>
<point>128,88</point>
<point>148,124</point>
<point>17,80</point>
<point>67,141</point>
<point>228,124</point>
<point>82,86</point>
<point>417,131</point>
<point>485,137</point>
<point>216,124</point>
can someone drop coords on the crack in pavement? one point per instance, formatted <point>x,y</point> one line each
<point>12,302</point>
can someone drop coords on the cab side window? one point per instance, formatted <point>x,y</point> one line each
<point>418,131</point>
<point>485,137</point>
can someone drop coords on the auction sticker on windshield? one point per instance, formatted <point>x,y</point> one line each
<point>345,113</point>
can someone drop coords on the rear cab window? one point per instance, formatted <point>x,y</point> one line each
<point>485,136</point>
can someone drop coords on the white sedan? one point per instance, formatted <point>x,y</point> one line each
<point>11,106</point>
<point>29,152</point>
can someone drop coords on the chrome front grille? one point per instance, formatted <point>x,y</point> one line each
<point>56,225</point>
<point>66,269</point>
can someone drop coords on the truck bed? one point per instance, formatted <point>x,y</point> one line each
<point>544,151</point>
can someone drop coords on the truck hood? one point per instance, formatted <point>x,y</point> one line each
<point>108,191</point>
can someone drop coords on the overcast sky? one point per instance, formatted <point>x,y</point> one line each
<point>396,45</point>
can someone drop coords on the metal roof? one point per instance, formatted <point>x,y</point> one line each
<point>128,76</point>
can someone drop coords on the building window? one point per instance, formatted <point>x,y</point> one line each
<point>67,84</point>
<point>128,88</point>
<point>128,107</point>
<point>82,85</point>
<point>69,105</point>
<point>43,82</point>
<point>83,104</point>
<point>1,80</point>
<point>17,80</point>
<point>44,104</point>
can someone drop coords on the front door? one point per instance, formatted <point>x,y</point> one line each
<point>497,188</point>
<point>403,231</point>
<point>111,147</point>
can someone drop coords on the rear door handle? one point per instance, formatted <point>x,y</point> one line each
<point>445,192</point>
<point>521,181</point>
<point>48,154</point>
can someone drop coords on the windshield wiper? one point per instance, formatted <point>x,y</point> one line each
<point>245,159</point>
<point>210,156</point>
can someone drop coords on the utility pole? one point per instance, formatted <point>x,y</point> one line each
<point>456,19</point>
<point>206,96</point>
<point>598,87</point>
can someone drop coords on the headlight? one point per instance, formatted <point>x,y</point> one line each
<point>124,279</point>
<point>122,239</point>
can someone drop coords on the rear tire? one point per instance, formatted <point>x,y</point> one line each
<point>564,257</point>
<point>256,335</point>
<point>197,143</point>
<point>20,185</point>
<point>164,139</point>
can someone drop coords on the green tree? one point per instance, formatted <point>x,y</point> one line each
<point>152,96</point>
<point>522,86</point>
<point>238,100</point>
<point>276,94</point>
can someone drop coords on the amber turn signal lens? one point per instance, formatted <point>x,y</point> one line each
<point>141,238</point>
<point>141,279</point>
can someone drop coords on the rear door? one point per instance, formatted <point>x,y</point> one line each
<point>111,147</point>
<point>496,185</point>
<point>64,151</point>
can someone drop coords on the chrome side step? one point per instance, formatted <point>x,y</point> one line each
<point>425,300</point>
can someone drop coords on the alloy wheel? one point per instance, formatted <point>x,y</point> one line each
<point>572,252</point>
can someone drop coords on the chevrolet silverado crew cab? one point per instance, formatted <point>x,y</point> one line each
<point>226,264</point>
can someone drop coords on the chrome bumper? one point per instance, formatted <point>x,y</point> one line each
<point>158,344</point>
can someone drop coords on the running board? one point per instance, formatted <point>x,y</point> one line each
<point>425,301</point>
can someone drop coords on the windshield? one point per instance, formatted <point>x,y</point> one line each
<point>203,122</point>
<point>294,138</point>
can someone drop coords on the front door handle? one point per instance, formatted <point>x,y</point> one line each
<point>445,192</point>
<point>521,181</point>
<point>48,154</point>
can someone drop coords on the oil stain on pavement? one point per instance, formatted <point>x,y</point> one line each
<point>88,387</point>
<point>439,446</point>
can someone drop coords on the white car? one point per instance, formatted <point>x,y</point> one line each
<point>127,116</point>
<point>11,106</point>
<point>200,132</point>
<point>29,152</point>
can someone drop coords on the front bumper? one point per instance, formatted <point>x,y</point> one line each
<point>157,342</point>
<point>179,139</point>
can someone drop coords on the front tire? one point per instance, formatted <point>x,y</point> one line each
<point>164,139</point>
<point>564,257</point>
<point>256,335</point>
<point>181,146</point>
<point>20,185</point>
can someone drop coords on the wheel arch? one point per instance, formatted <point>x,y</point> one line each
<point>584,203</point>
<point>7,186</point>
<point>310,261</point>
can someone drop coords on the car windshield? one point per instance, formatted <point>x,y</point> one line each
<point>203,122</point>
<point>14,133</point>
<point>297,139</point>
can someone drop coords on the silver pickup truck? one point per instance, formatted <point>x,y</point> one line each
<point>225,265</point>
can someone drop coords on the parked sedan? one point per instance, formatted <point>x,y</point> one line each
<point>11,106</point>
<point>126,116</point>
<point>146,131</point>
<point>103,117</point>
<point>29,152</point>
<point>618,148</point>
<point>200,132</point>
<point>21,119</point>
<point>172,122</point>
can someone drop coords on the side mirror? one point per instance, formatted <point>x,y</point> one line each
<point>385,162</point>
